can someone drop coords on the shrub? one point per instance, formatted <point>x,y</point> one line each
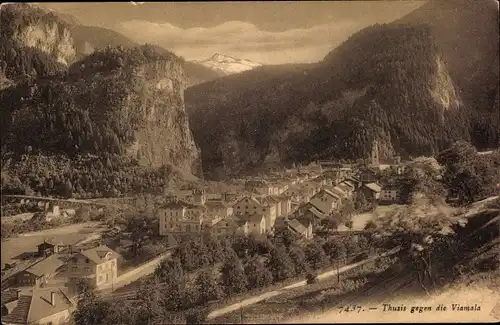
<point>311,277</point>
<point>197,316</point>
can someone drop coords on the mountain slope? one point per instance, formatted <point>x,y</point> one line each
<point>122,101</point>
<point>197,73</point>
<point>467,34</point>
<point>115,120</point>
<point>387,82</point>
<point>87,39</point>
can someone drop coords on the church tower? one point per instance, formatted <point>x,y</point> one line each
<point>374,156</point>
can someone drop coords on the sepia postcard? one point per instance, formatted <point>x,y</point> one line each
<point>250,162</point>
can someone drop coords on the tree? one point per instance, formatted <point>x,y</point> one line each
<point>311,277</point>
<point>360,203</point>
<point>315,255</point>
<point>370,226</point>
<point>151,296</point>
<point>329,223</point>
<point>82,214</point>
<point>280,264</point>
<point>347,209</point>
<point>286,236</point>
<point>170,274</point>
<point>66,190</point>
<point>169,270</point>
<point>90,310</point>
<point>335,249</point>
<point>141,229</point>
<point>207,287</point>
<point>299,259</point>
<point>233,275</point>
<point>197,316</point>
<point>257,274</point>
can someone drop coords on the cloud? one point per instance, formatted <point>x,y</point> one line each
<point>243,39</point>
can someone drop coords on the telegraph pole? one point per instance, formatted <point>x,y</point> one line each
<point>338,271</point>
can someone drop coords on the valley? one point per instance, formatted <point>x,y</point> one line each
<point>194,170</point>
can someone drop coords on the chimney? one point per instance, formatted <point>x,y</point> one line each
<point>53,299</point>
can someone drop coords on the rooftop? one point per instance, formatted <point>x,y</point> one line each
<point>33,307</point>
<point>329,192</point>
<point>48,265</point>
<point>216,204</point>
<point>374,187</point>
<point>297,226</point>
<point>98,254</point>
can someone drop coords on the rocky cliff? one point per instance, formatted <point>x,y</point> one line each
<point>122,101</point>
<point>33,41</point>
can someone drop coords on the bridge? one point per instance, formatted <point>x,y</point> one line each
<point>60,201</point>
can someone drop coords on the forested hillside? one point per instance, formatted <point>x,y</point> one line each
<point>112,122</point>
<point>386,82</point>
<point>467,34</point>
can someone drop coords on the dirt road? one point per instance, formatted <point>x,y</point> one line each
<point>267,295</point>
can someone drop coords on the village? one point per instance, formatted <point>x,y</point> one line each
<point>305,200</point>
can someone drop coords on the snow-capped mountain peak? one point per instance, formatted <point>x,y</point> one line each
<point>228,64</point>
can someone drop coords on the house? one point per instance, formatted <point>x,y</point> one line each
<point>282,187</point>
<point>302,227</point>
<point>97,265</point>
<point>371,191</point>
<point>231,225</point>
<point>256,224</point>
<point>251,205</point>
<point>389,194</point>
<point>347,189</point>
<point>180,217</point>
<point>302,177</point>
<point>229,197</point>
<point>332,176</point>
<point>339,191</point>
<point>311,212</point>
<point>261,187</point>
<point>39,273</point>
<point>313,215</point>
<point>326,201</point>
<point>49,247</point>
<point>311,187</point>
<point>352,181</point>
<point>300,194</point>
<point>285,204</point>
<point>218,208</point>
<point>320,180</point>
<point>368,175</point>
<point>42,306</point>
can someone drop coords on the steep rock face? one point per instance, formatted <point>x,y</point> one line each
<point>29,27</point>
<point>387,82</point>
<point>50,39</point>
<point>164,135</point>
<point>120,101</point>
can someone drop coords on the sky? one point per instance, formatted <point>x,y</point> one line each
<point>265,32</point>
